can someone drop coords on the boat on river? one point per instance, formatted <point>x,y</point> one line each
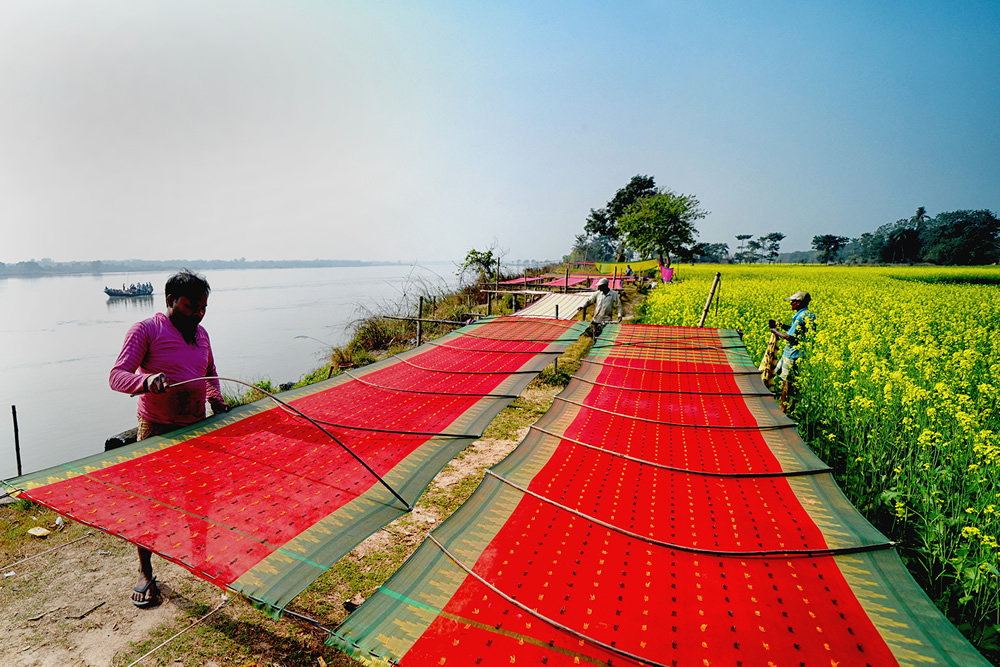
<point>142,289</point>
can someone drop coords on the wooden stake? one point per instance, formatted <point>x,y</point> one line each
<point>420,314</point>
<point>17,440</point>
<point>708,303</point>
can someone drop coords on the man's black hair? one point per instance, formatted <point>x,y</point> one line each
<point>187,283</point>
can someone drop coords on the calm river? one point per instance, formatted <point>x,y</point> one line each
<point>59,337</point>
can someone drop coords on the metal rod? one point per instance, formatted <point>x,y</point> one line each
<point>557,311</point>
<point>17,440</point>
<point>708,303</point>
<point>409,508</point>
<point>566,282</point>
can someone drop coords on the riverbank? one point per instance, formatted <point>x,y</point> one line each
<point>91,578</point>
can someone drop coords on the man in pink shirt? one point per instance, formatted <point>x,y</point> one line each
<point>165,349</point>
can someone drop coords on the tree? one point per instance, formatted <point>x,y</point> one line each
<point>902,244</point>
<point>961,237</point>
<point>771,245</point>
<point>754,252</point>
<point>919,218</point>
<point>662,224</point>
<point>712,253</point>
<point>867,247</point>
<point>740,252</point>
<point>481,263</point>
<point>605,221</point>
<point>828,245</point>
<point>587,248</point>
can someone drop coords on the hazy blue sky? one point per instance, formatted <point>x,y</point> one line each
<point>416,130</point>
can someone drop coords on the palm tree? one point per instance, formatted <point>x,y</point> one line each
<point>920,217</point>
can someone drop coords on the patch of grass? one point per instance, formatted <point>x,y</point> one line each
<point>518,415</point>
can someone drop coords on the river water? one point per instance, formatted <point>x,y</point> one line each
<point>59,337</point>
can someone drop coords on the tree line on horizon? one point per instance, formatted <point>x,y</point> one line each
<point>47,267</point>
<point>642,221</point>
<point>957,238</point>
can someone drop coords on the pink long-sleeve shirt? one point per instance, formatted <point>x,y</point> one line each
<point>156,346</point>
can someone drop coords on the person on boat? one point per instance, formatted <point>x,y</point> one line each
<point>157,355</point>
<point>607,301</point>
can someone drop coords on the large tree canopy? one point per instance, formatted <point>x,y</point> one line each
<point>604,221</point>
<point>661,224</point>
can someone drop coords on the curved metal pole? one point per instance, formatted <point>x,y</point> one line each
<point>312,421</point>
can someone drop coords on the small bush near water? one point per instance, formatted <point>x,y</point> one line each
<point>898,393</point>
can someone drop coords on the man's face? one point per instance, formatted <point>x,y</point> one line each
<point>604,289</point>
<point>796,304</point>
<point>187,311</point>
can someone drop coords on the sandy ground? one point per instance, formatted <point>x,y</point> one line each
<point>71,606</point>
<point>41,603</point>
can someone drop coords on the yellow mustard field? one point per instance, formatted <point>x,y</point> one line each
<point>898,393</point>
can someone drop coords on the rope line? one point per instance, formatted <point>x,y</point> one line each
<point>653,346</point>
<point>349,427</point>
<point>776,427</point>
<point>703,473</point>
<point>828,551</point>
<point>520,319</point>
<point>66,544</point>
<point>432,393</point>
<point>669,391</point>
<point>665,370</point>
<point>627,335</point>
<point>528,610</point>
<point>512,340</point>
<point>317,624</point>
<point>409,508</point>
<point>200,620</point>
<point>441,370</point>
<point>469,349</point>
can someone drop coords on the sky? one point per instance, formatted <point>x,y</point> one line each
<point>417,130</point>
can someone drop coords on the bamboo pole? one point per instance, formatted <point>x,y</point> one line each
<point>708,303</point>
<point>767,364</point>
<point>17,440</point>
<point>420,322</point>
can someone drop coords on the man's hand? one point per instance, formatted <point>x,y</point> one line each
<point>156,384</point>
<point>218,407</point>
<point>619,319</point>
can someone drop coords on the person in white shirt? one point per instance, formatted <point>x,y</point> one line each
<point>607,301</point>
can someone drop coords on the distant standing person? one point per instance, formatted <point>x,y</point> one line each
<point>164,349</point>
<point>607,301</point>
<point>803,321</point>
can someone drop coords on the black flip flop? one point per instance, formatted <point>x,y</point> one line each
<point>153,600</point>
